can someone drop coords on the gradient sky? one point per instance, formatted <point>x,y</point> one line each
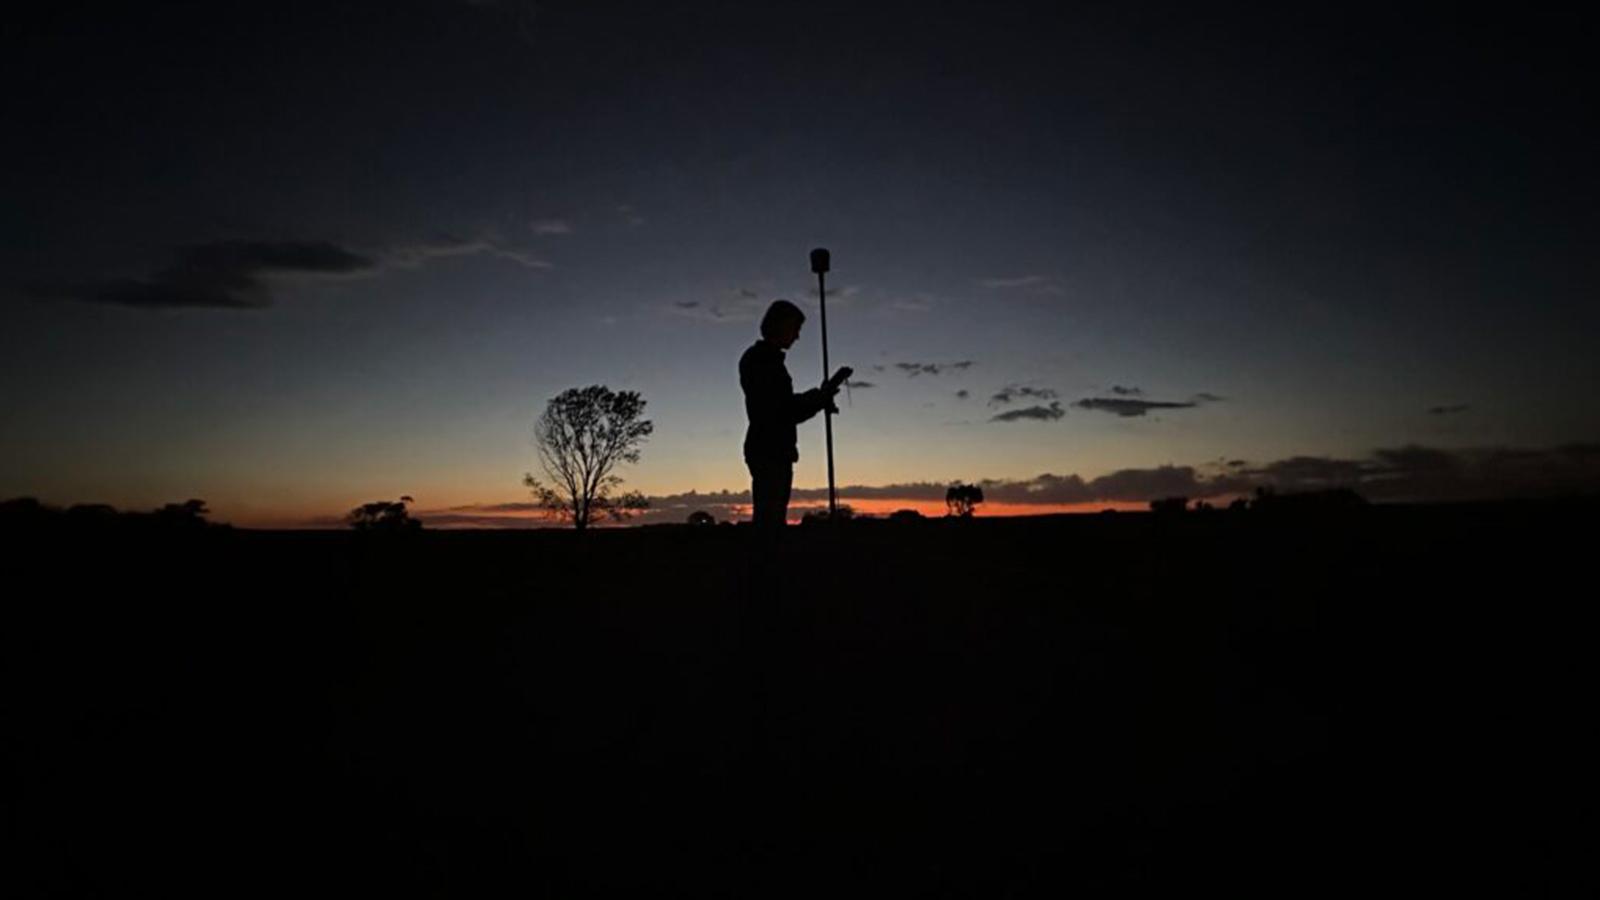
<point>291,257</point>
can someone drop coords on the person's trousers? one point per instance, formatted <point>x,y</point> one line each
<point>763,639</point>
<point>769,493</point>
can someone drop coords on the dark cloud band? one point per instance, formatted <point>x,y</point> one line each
<point>222,275</point>
<point>1038,413</point>
<point>1402,474</point>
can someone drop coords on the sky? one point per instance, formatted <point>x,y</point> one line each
<point>291,257</point>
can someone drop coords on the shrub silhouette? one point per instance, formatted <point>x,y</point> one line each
<point>701,517</point>
<point>962,499</point>
<point>28,511</point>
<point>188,514</point>
<point>383,516</point>
<point>817,516</point>
<point>1330,500</point>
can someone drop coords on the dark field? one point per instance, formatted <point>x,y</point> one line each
<point>1380,698</point>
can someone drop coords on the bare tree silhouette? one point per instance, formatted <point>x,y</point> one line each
<point>583,434</point>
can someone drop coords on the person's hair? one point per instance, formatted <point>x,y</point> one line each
<point>778,314</point>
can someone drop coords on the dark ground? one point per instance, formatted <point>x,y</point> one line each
<point>1379,698</point>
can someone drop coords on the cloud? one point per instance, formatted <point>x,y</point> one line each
<point>913,369</point>
<point>1417,473</point>
<point>1017,281</point>
<point>1042,489</point>
<point>240,274</point>
<point>1126,408</point>
<point>1301,473</point>
<point>1040,413</point>
<point>220,275</point>
<point>1027,284</point>
<point>465,520</point>
<point>1123,405</point>
<point>835,292</point>
<point>741,305</point>
<point>1448,410</point>
<point>1013,391</point>
<point>1415,459</point>
<point>415,255</point>
<point>550,226</point>
<point>859,385</point>
<point>630,215</point>
<point>963,394</point>
<point>1140,485</point>
<point>519,506</point>
<point>1409,473</point>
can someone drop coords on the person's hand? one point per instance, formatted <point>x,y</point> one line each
<point>831,408</point>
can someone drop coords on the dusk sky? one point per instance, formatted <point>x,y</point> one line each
<point>293,257</point>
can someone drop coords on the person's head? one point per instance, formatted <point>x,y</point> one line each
<point>781,324</point>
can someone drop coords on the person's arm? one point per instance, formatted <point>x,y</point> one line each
<point>767,384</point>
<point>811,402</point>
<point>806,404</point>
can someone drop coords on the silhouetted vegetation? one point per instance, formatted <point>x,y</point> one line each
<point>963,499</point>
<point>1167,506</point>
<point>845,513</point>
<point>383,516</point>
<point>1331,501</point>
<point>188,514</point>
<point>24,510</point>
<point>582,436</point>
<point>701,518</point>
<point>906,515</point>
<point>1328,501</point>
<point>28,512</point>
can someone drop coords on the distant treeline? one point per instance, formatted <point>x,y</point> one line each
<point>29,512</point>
<point>1266,499</point>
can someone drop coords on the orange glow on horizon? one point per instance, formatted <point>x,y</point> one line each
<point>876,506</point>
<point>873,506</point>
<point>883,506</point>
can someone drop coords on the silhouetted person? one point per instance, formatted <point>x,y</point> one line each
<point>774,409</point>
<point>770,451</point>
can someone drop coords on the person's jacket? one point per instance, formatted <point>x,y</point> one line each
<point>772,406</point>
